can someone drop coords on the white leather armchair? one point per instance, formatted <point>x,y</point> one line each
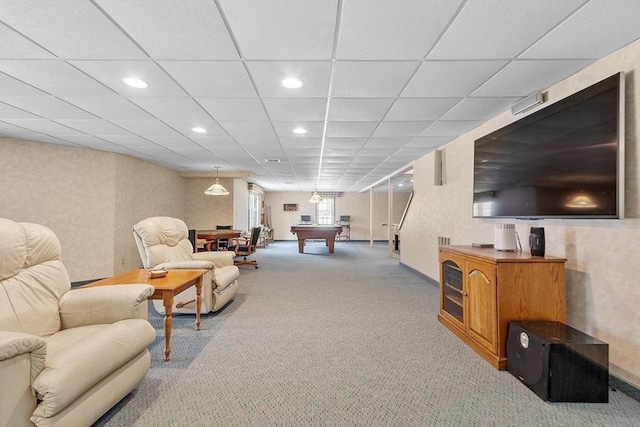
<point>66,355</point>
<point>163,242</point>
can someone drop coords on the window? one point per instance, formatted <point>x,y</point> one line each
<point>254,209</point>
<point>325,212</point>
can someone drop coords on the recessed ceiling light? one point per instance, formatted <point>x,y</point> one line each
<point>300,131</point>
<point>135,82</point>
<point>199,130</point>
<point>292,83</point>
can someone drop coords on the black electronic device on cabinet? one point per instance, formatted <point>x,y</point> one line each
<point>557,362</point>
<point>536,241</point>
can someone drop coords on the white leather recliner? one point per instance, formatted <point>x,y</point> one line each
<point>164,243</point>
<point>66,355</point>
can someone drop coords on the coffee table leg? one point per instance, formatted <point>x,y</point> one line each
<point>198,301</point>
<point>168,323</point>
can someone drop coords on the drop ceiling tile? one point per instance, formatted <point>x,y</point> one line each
<point>332,153</point>
<point>380,152</point>
<point>368,79</point>
<point>172,141</point>
<point>12,131</point>
<point>294,109</point>
<point>248,129</point>
<point>214,79</point>
<point>392,30</point>
<point>268,77</point>
<point>420,109</point>
<point>48,106</point>
<point>450,78</point>
<point>500,28</point>
<point>391,129</point>
<point>388,142</point>
<point>185,127</point>
<point>300,143</point>
<point>285,129</point>
<point>111,73</point>
<point>94,127</point>
<point>10,112</point>
<point>173,108</point>
<point>246,109</point>
<point>358,109</point>
<point>145,127</point>
<point>44,126</point>
<point>345,142</point>
<point>14,45</point>
<point>156,151</point>
<point>127,140</point>
<point>451,127</point>
<point>350,129</point>
<point>112,107</point>
<point>159,27</point>
<point>480,108</point>
<point>14,87</point>
<point>50,24</point>
<point>581,36</point>
<point>234,155</point>
<point>252,143</point>
<point>215,142</point>
<point>198,154</point>
<point>428,141</point>
<point>412,152</point>
<point>55,77</point>
<point>90,141</point>
<point>282,30</point>
<point>263,154</point>
<point>522,78</point>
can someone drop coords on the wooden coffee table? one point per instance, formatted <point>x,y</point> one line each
<point>166,288</point>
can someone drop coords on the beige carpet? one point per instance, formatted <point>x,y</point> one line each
<point>349,339</point>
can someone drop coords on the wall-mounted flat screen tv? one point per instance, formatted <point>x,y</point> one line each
<point>562,161</point>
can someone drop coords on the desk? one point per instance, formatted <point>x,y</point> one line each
<point>166,288</point>
<point>326,232</point>
<point>211,237</point>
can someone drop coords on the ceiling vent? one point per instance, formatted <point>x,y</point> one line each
<point>272,160</point>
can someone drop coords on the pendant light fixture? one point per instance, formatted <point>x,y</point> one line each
<point>216,189</point>
<point>315,198</point>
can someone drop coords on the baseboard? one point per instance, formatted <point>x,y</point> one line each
<point>618,384</point>
<point>424,276</point>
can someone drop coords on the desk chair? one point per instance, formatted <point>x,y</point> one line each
<point>305,219</point>
<point>345,222</point>
<point>244,247</point>
<point>223,243</point>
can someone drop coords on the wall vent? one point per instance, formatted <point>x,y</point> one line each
<point>444,241</point>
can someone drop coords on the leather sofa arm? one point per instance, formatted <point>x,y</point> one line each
<point>219,258</point>
<point>181,265</point>
<point>104,304</point>
<point>22,358</point>
<point>13,344</point>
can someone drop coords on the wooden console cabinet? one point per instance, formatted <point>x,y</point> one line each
<point>481,290</point>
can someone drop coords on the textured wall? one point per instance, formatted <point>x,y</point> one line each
<point>142,190</point>
<point>89,198</point>
<point>70,190</point>
<point>205,212</point>
<point>603,297</point>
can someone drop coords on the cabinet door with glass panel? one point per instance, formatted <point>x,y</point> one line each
<point>451,290</point>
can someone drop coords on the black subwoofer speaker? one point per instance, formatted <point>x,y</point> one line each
<point>557,362</point>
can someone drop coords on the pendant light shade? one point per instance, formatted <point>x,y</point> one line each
<point>216,189</point>
<point>315,198</point>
